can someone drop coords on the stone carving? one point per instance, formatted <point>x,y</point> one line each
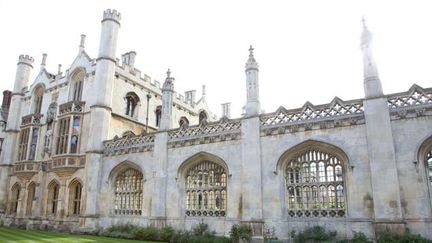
<point>71,107</point>
<point>51,113</point>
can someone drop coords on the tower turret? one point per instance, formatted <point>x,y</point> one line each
<point>252,85</point>
<point>372,83</point>
<point>24,67</point>
<point>167,101</point>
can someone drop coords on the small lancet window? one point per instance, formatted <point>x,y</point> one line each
<point>158,114</point>
<point>53,197</point>
<point>37,99</point>
<point>15,197</point>
<point>132,101</point>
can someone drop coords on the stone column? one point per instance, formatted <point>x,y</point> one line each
<point>159,175</point>
<point>251,177</point>
<point>24,67</point>
<point>100,112</point>
<point>381,151</point>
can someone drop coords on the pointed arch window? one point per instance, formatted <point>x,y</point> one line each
<point>203,117</point>
<point>184,122</point>
<point>53,197</point>
<point>37,99</point>
<point>132,101</point>
<point>77,85</point>
<point>128,192</point>
<point>428,161</point>
<point>75,194</point>
<point>15,198</point>
<point>315,185</point>
<point>31,191</point>
<point>206,190</point>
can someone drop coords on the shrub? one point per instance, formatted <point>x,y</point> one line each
<point>359,237</point>
<point>167,233</point>
<point>313,234</point>
<point>243,232</point>
<point>407,237</point>
<point>202,229</point>
<point>146,233</point>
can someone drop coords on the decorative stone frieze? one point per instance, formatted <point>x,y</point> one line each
<point>129,144</point>
<point>416,102</point>
<point>222,130</point>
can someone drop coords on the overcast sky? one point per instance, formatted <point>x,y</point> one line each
<point>307,50</point>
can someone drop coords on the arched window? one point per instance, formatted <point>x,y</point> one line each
<point>15,198</point>
<point>206,190</point>
<point>77,82</point>
<point>31,190</point>
<point>158,114</point>
<point>132,101</point>
<point>184,122</point>
<point>128,192</point>
<point>315,184</point>
<point>75,192</point>
<point>37,99</point>
<point>203,117</point>
<point>53,197</point>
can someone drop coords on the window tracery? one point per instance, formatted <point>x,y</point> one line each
<point>206,190</point>
<point>429,166</point>
<point>37,99</point>
<point>315,185</point>
<point>128,192</point>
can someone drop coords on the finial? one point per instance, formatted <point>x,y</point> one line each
<point>203,90</point>
<point>168,73</point>
<point>59,69</point>
<point>43,63</point>
<point>82,41</point>
<point>251,49</point>
<point>363,20</point>
<point>366,36</point>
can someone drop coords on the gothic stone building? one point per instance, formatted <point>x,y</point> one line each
<point>133,152</point>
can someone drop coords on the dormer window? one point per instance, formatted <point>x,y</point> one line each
<point>132,101</point>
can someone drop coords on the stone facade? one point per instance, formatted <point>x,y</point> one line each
<point>80,160</point>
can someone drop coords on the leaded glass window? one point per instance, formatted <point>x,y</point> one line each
<point>23,143</point>
<point>75,192</point>
<point>206,190</point>
<point>53,197</point>
<point>315,185</point>
<point>128,192</point>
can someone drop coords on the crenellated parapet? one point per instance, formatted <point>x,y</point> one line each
<point>25,59</point>
<point>111,14</point>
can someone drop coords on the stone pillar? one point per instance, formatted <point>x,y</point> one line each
<point>381,151</point>
<point>251,177</point>
<point>100,112</point>
<point>62,197</point>
<point>158,205</point>
<point>24,67</point>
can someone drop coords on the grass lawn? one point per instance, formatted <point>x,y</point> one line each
<point>13,235</point>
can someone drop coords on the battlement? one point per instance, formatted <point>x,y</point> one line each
<point>25,59</point>
<point>111,14</point>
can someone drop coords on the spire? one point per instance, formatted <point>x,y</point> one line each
<point>59,72</point>
<point>372,83</point>
<point>252,85</point>
<point>43,63</point>
<point>167,101</point>
<point>82,42</point>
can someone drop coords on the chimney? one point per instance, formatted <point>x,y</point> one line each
<point>190,97</point>
<point>226,110</point>
<point>129,59</point>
